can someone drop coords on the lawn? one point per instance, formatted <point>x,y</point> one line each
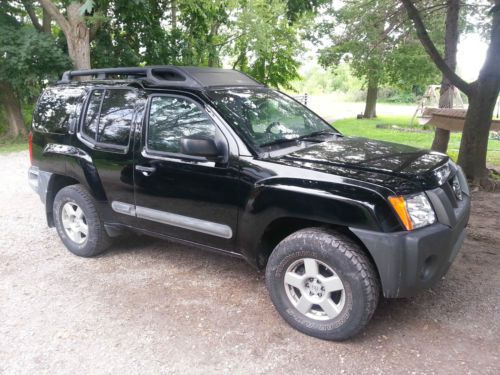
<point>18,145</point>
<point>368,129</point>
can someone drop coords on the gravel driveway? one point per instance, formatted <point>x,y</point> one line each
<point>149,306</point>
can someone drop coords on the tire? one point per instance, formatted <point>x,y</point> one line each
<point>66,204</point>
<point>329,309</point>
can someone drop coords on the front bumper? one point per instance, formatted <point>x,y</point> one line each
<point>410,261</point>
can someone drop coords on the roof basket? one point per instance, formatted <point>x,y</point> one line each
<point>166,76</point>
<point>150,76</point>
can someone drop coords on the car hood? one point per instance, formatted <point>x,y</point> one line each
<point>370,160</point>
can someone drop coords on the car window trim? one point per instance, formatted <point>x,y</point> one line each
<point>174,156</point>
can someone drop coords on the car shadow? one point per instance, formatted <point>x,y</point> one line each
<point>393,318</point>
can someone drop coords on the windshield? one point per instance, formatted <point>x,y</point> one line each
<point>264,117</point>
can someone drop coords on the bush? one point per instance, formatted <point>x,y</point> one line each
<point>392,95</point>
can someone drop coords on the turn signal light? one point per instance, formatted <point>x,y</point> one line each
<point>399,205</point>
<point>30,146</point>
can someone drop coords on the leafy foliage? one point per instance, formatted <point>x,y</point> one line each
<point>374,38</point>
<point>27,58</point>
<point>253,36</point>
<point>267,47</point>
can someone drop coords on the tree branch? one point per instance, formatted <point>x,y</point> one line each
<point>431,49</point>
<point>56,15</point>
<point>46,22</point>
<point>31,13</point>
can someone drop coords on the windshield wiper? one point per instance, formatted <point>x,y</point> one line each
<point>319,132</point>
<point>280,141</point>
<point>295,139</point>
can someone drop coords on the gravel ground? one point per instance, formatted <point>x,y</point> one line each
<point>149,306</point>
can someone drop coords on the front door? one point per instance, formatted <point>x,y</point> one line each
<point>181,196</point>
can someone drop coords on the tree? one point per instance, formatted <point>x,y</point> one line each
<point>132,33</point>
<point>45,26</point>
<point>180,32</point>
<point>27,58</point>
<point>207,24</point>
<point>372,36</point>
<point>74,28</point>
<point>442,136</point>
<point>482,94</point>
<point>267,45</point>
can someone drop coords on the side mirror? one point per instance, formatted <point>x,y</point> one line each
<point>198,145</point>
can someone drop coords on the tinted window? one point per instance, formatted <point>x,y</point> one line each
<point>263,116</point>
<point>109,116</point>
<point>117,112</point>
<point>172,118</point>
<point>57,108</point>
<point>92,115</point>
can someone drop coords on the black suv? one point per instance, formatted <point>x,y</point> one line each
<point>213,158</point>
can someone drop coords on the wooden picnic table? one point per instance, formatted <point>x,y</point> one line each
<point>452,119</point>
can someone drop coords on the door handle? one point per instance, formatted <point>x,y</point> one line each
<point>146,171</point>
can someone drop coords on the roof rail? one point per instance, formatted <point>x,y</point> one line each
<point>102,73</point>
<point>167,75</point>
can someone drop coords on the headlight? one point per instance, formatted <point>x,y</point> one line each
<point>442,173</point>
<point>414,211</point>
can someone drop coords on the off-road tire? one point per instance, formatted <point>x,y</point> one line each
<point>97,240</point>
<point>350,263</point>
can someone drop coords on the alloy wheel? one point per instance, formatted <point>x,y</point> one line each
<point>315,289</point>
<point>74,222</point>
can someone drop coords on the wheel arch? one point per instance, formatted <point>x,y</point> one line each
<point>55,184</point>
<point>280,228</point>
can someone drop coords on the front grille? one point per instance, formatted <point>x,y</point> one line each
<point>449,209</point>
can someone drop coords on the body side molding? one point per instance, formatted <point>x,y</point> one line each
<point>168,218</point>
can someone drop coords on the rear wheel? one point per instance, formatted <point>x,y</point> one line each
<point>78,223</point>
<point>322,284</point>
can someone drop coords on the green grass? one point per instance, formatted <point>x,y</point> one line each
<point>13,146</point>
<point>367,128</point>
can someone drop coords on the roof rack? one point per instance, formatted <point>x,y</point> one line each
<point>168,76</point>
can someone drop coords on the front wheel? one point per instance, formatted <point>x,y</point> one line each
<point>322,284</point>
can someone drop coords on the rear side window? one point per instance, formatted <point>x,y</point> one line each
<point>109,116</point>
<point>57,109</point>
<point>92,114</point>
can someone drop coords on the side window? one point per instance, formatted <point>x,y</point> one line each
<point>172,118</point>
<point>117,112</point>
<point>92,115</point>
<point>109,116</point>
<point>57,108</point>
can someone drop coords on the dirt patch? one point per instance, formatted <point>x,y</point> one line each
<point>150,306</point>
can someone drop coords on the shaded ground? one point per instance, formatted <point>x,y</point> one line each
<point>150,306</point>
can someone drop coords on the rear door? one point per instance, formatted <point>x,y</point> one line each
<point>181,196</point>
<point>109,117</point>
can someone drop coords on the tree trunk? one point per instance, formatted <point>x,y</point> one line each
<point>75,30</point>
<point>371,99</point>
<point>13,112</point>
<point>482,100</point>
<point>442,136</point>
<point>213,58</point>
<point>474,144</point>
<point>46,22</point>
<point>173,10</point>
<point>78,38</point>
